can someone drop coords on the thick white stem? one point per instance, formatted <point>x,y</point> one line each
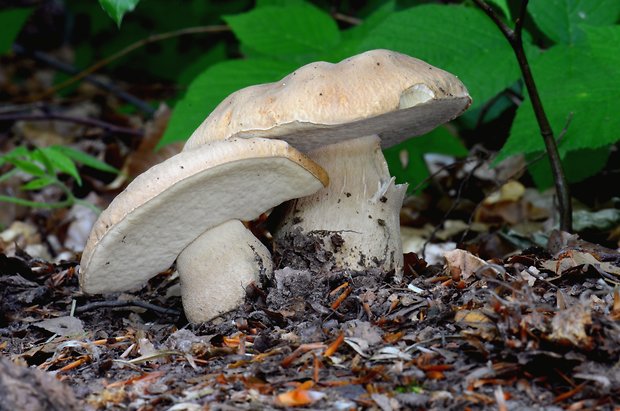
<point>216,268</point>
<point>357,215</point>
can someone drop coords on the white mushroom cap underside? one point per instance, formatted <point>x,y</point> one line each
<point>164,209</point>
<point>378,92</point>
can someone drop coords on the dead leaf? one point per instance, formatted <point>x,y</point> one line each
<point>574,258</point>
<point>299,396</point>
<point>462,264</point>
<point>63,326</point>
<point>570,325</point>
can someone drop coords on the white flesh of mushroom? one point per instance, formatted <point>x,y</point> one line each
<point>361,205</point>
<point>216,268</point>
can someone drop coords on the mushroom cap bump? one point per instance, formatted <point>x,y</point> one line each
<point>378,92</point>
<point>164,209</point>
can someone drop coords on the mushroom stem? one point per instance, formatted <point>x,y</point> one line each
<point>216,268</point>
<point>356,217</point>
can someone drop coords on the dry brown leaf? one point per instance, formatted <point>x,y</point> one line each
<point>575,258</point>
<point>570,325</point>
<point>462,264</point>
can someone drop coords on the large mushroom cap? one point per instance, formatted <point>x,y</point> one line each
<point>164,209</point>
<point>378,92</point>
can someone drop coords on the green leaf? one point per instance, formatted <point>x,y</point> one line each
<point>38,183</point>
<point>578,165</point>
<point>118,8</point>
<point>354,36</point>
<point>576,83</point>
<point>34,204</point>
<point>461,40</point>
<point>602,220</point>
<point>62,163</point>
<point>298,29</point>
<point>213,86</point>
<point>503,6</point>
<point>604,44</point>
<point>560,19</point>
<point>11,22</point>
<point>86,159</point>
<point>42,158</point>
<point>414,172</point>
<point>27,166</point>
<point>17,152</point>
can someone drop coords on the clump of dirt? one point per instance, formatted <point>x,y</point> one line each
<point>307,251</point>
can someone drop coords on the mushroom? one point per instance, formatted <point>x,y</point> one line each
<point>340,114</point>
<point>183,208</point>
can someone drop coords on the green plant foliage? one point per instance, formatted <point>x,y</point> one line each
<point>44,165</point>
<point>577,77</point>
<point>281,32</point>
<point>215,84</point>
<point>414,172</point>
<point>470,46</point>
<point>578,165</point>
<point>578,87</point>
<point>560,20</point>
<point>276,37</point>
<point>503,6</point>
<point>11,22</point>
<point>117,9</point>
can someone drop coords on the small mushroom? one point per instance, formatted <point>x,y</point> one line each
<point>340,114</point>
<point>183,208</point>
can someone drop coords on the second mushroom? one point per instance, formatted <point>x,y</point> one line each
<point>341,115</point>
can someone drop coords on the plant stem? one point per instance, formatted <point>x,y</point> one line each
<point>78,120</point>
<point>515,39</point>
<point>148,40</point>
<point>68,68</point>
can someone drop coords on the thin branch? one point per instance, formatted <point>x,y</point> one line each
<point>68,68</point>
<point>122,304</point>
<point>354,21</point>
<point>78,120</point>
<point>140,43</point>
<point>514,38</point>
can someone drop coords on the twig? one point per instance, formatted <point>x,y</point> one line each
<point>515,39</point>
<point>354,21</point>
<point>68,68</point>
<point>120,304</point>
<point>455,204</point>
<point>140,43</point>
<point>78,120</point>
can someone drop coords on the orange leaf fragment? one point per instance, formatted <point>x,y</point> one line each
<point>299,396</point>
<point>232,342</point>
<point>435,375</point>
<point>341,298</point>
<point>340,287</point>
<point>331,350</point>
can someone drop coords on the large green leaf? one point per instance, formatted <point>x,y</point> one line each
<point>578,165</point>
<point>296,29</point>
<point>560,19</point>
<point>11,22</point>
<point>459,39</point>
<point>503,6</point>
<point>576,83</point>
<point>215,84</point>
<point>118,8</point>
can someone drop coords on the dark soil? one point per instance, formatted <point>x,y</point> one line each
<point>326,340</point>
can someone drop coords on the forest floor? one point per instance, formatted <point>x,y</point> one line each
<point>520,317</point>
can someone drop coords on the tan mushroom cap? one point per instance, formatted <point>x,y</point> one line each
<point>164,209</point>
<point>377,92</point>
